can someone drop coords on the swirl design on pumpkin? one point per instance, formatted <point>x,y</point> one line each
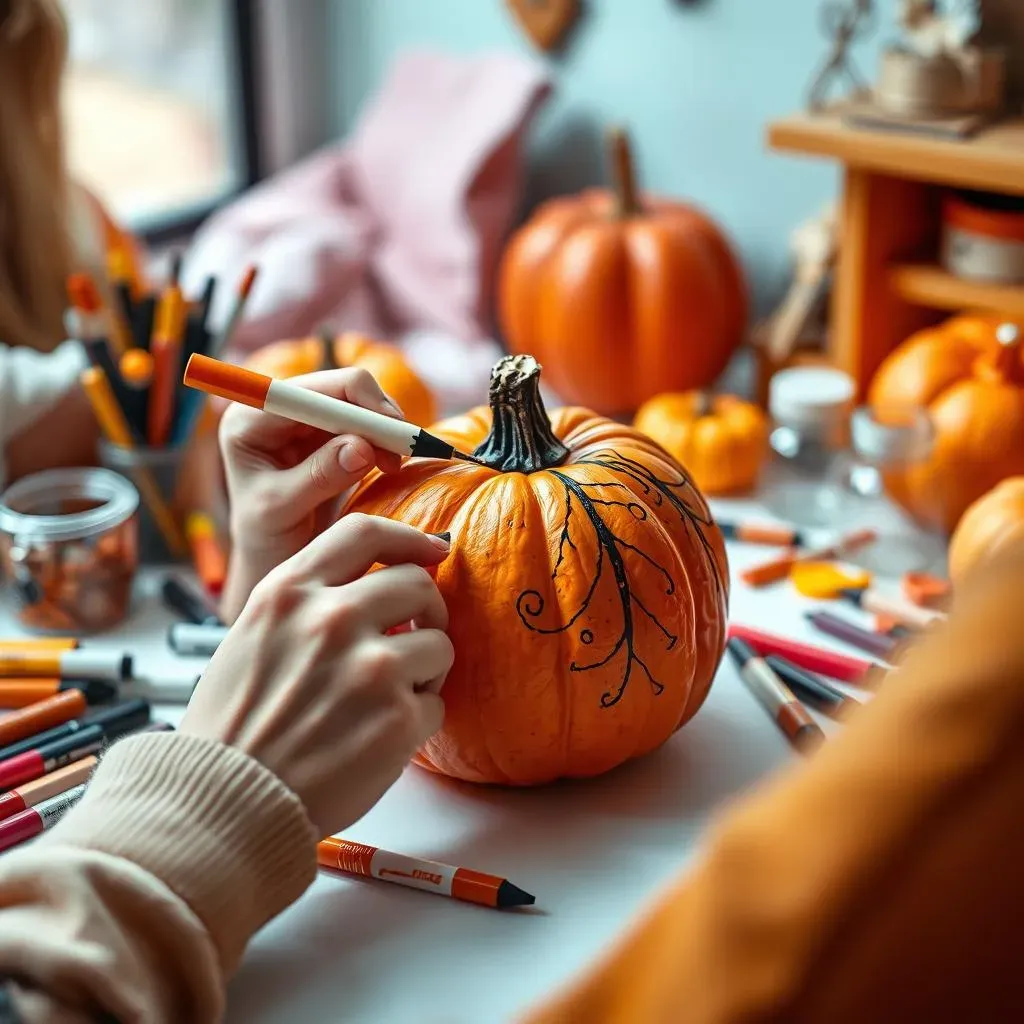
<point>611,557</point>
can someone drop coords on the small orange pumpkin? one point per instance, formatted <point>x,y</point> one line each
<point>587,587</point>
<point>722,440</point>
<point>622,298</point>
<point>967,373</point>
<point>992,525</point>
<point>385,362</point>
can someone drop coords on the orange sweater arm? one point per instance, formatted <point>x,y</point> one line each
<point>879,883</point>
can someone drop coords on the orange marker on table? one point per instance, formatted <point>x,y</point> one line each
<point>43,715</point>
<point>208,556</point>
<point>428,875</point>
<point>45,643</point>
<point>779,568</point>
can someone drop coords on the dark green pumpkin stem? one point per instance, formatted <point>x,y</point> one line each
<point>521,439</point>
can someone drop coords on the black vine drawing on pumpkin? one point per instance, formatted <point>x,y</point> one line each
<point>530,603</point>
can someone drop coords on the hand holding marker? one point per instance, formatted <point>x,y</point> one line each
<point>332,415</point>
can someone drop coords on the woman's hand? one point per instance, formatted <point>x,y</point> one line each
<point>284,478</point>
<point>311,683</point>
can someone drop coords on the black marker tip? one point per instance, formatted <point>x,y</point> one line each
<point>510,895</point>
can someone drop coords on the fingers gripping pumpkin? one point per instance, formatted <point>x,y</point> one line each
<point>587,587</point>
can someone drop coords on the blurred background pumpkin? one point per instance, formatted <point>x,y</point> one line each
<point>989,528</point>
<point>622,296</point>
<point>967,373</point>
<point>720,440</point>
<point>384,361</point>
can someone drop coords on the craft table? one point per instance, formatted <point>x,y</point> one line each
<point>594,853</point>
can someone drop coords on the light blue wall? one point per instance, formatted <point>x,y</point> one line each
<point>695,81</point>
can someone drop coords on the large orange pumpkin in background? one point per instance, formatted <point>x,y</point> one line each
<point>622,297</point>
<point>283,359</point>
<point>587,587</point>
<point>967,373</point>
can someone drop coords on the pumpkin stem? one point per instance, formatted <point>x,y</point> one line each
<point>521,439</point>
<point>704,404</point>
<point>623,173</point>
<point>327,360</point>
<point>1007,361</point>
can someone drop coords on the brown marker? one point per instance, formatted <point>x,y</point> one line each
<point>777,699</point>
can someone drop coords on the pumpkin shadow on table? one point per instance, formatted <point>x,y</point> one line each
<point>568,829</point>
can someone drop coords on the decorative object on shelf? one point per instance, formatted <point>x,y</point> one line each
<point>385,362</point>
<point>844,22</point>
<point>587,586</point>
<point>622,296</point>
<point>721,440</point>
<point>988,529</point>
<point>983,236</point>
<point>545,22</point>
<point>936,79</point>
<point>968,374</point>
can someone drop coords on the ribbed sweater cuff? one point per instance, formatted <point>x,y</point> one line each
<point>214,825</point>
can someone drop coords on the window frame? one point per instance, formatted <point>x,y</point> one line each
<point>245,42</point>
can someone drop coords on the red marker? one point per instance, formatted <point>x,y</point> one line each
<point>843,667</point>
<point>34,793</point>
<point>32,821</point>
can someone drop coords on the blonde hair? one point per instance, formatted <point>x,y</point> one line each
<point>35,242</point>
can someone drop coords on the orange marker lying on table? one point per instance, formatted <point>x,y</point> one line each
<point>441,879</point>
<point>779,568</point>
<point>19,693</point>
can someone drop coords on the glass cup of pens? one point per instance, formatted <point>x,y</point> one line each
<point>68,544</point>
<point>138,340</point>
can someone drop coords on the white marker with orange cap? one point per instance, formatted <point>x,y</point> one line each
<point>293,402</point>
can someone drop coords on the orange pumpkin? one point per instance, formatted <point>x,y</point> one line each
<point>988,529</point>
<point>587,587</point>
<point>722,441</point>
<point>967,373</point>
<point>622,298</point>
<point>386,363</point>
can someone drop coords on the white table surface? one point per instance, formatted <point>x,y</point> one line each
<point>594,853</point>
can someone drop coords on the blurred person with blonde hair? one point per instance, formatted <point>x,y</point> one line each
<point>49,227</point>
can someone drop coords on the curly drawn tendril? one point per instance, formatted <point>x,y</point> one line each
<point>530,604</point>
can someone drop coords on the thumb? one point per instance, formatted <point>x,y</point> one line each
<point>330,471</point>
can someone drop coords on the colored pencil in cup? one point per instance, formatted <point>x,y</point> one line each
<point>877,644</point>
<point>31,822</point>
<point>812,689</point>
<point>165,349</point>
<point>779,568</point>
<point>53,784</point>
<point>85,320</point>
<point>116,430</point>
<point>777,699</point>
<point>122,310</point>
<point>237,311</point>
<point>843,667</point>
<point>430,876</point>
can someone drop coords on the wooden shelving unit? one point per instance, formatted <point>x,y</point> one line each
<point>929,285</point>
<point>890,215</point>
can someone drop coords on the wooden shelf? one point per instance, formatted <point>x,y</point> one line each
<point>992,160</point>
<point>926,284</point>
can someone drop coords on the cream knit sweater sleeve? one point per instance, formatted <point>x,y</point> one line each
<point>140,903</point>
<point>31,383</point>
